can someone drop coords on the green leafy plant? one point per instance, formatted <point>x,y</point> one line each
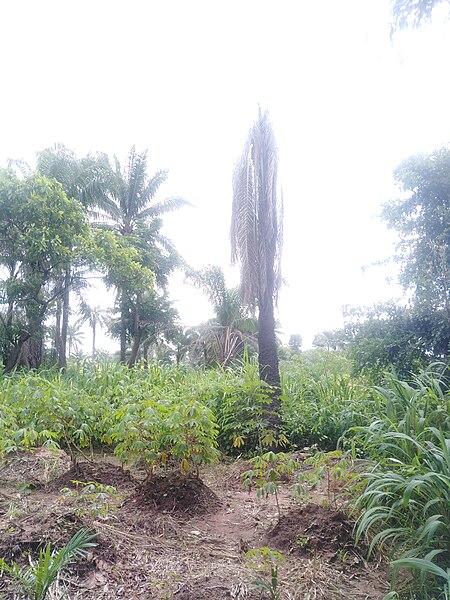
<point>157,432</point>
<point>37,578</point>
<point>322,400</point>
<point>267,561</point>
<point>92,498</point>
<point>405,506</point>
<point>335,468</point>
<point>269,469</point>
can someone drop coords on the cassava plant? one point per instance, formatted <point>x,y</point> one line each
<point>269,469</point>
<point>335,468</point>
<point>266,561</point>
<point>157,433</point>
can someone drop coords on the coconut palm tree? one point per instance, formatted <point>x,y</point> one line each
<point>129,209</point>
<point>96,317</point>
<point>221,339</point>
<point>75,336</point>
<point>256,242</point>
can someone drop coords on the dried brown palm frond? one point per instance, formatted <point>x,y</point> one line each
<point>256,227</point>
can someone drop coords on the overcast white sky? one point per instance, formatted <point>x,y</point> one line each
<point>184,78</point>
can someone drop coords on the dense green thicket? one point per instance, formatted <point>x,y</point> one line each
<point>91,405</point>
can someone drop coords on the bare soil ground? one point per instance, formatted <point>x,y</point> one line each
<point>177,537</point>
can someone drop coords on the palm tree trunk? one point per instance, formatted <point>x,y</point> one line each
<point>269,371</point>
<point>137,333</point>
<point>123,329</point>
<point>62,355</point>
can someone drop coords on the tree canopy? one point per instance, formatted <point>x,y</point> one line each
<point>42,233</point>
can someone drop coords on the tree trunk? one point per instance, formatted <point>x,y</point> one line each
<point>62,355</point>
<point>94,327</point>
<point>123,329</point>
<point>146,349</point>
<point>269,371</point>
<point>30,355</point>
<point>137,334</point>
<point>58,329</point>
<point>26,352</point>
<point>13,357</point>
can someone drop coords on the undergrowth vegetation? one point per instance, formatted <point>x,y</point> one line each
<point>167,416</point>
<point>405,507</point>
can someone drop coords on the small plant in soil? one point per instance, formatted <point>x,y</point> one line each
<point>38,577</point>
<point>336,468</point>
<point>269,469</point>
<point>92,498</point>
<point>267,562</point>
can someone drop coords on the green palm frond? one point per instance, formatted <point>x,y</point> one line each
<point>163,207</point>
<point>37,578</point>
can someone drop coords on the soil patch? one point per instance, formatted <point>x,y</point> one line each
<point>36,467</point>
<point>176,494</point>
<point>214,587</point>
<point>180,538</point>
<point>104,473</point>
<point>313,530</point>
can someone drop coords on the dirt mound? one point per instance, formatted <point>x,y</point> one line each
<point>103,473</point>
<point>313,530</point>
<point>36,467</point>
<point>176,494</point>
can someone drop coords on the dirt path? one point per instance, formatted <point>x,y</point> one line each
<point>179,539</point>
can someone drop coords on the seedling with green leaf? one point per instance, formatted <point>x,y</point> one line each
<point>38,577</point>
<point>269,469</point>
<point>92,498</point>
<point>267,561</point>
<point>336,468</point>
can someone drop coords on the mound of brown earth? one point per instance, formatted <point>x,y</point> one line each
<point>313,530</point>
<point>103,473</point>
<point>178,494</point>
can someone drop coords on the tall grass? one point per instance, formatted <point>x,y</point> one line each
<point>322,400</point>
<point>405,507</point>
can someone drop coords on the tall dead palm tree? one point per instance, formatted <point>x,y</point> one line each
<point>256,242</point>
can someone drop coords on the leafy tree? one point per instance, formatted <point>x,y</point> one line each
<point>335,339</point>
<point>256,241</point>
<point>409,337</point>
<point>414,12</point>
<point>42,232</point>
<point>129,209</point>
<point>223,338</point>
<point>295,342</point>
<point>184,339</point>
<point>390,336</point>
<point>421,217</point>
<point>152,324</point>
<point>84,180</point>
